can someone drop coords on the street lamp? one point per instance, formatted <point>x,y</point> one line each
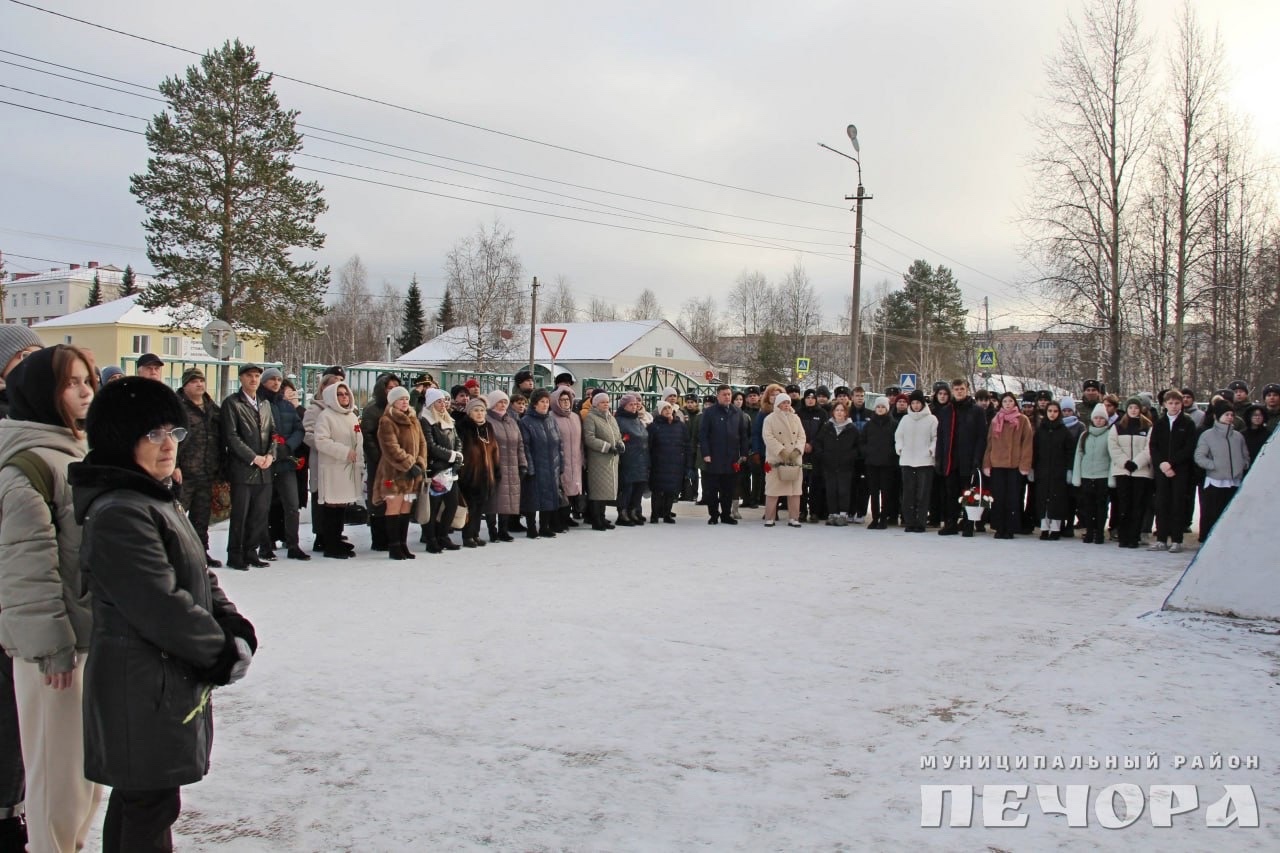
<point>855,310</point>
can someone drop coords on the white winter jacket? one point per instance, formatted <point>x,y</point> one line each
<point>916,438</point>
<point>337,433</point>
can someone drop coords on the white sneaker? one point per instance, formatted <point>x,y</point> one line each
<point>858,519</point>
<point>734,512</point>
<point>769,522</point>
<point>793,523</point>
<point>1175,548</point>
<point>1157,546</point>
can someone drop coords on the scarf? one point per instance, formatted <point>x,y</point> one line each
<point>1004,416</point>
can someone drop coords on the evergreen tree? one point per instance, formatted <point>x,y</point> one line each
<point>771,361</point>
<point>924,324</point>
<point>447,317</point>
<point>95,292</point>
<point>224,210</point>
<point>411,333</point>
<point>128,285</point>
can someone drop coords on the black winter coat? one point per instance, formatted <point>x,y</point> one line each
<point>1054,452</point>
<point>837,453</point>
<point>544,462</point>
<point>200,455</point>
<point>441,444</point>
<point>877,441</point>
<point>163,632</point>
<point>288,425</point>
<point>962,438</point>
<point>669,454</point>
<point>812,420</point>
<point>1177,447</point>
<point>724,436</point>
<point>633,464</point>
<point>247,433</point>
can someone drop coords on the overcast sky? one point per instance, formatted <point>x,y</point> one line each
<point>732,92</point>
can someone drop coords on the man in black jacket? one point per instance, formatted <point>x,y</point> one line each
<point>723,441</point>
<point>247,425</point>
<point>199,455</point>
<point>962,441</point>
<point>1172,447</point>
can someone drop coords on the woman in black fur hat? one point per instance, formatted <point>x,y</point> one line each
<point>164,634</point>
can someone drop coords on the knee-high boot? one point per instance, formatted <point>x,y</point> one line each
<point>333,524</point>
<point>504,529</point>
<point>531,525</point>
<point>391,527</point>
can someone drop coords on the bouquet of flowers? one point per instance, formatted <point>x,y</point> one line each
<point>976,496</point>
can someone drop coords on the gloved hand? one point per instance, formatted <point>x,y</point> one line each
<point>456,456</point>
<point>526,474</point>
<point>1130,466</point>
<point>415,470</point>
<point>620,447</point>
<point>240,667</point>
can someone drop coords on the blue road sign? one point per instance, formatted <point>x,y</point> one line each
<point>907,381</point>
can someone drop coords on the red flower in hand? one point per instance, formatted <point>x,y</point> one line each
<point>736,467</point>
<point>277,438</point>
<point>357,427</point>
<point>626,436</point>
<point>767,467</point>
<point>388,484</point>
<point>302,463</point>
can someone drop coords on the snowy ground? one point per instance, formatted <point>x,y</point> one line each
<point>689,687</point>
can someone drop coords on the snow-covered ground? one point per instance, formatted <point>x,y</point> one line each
<point>688,687</point>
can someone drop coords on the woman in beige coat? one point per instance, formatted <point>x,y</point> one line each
<point>783,435</point>
<point>340,457</point>
<point>400,469</point>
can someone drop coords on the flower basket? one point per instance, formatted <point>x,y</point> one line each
<point>975,500</point>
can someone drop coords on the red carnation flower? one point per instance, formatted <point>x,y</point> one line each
<point>767,467</point>
<point>302,463</point>
<point>736,467</point>
<point>388,484</point>
<point>277,438</point>
<point>626,436</point>
<point>357,427</point>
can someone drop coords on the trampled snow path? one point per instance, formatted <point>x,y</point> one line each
<point>692,687</point>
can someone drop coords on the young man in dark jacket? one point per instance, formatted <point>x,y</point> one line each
<point>1173,447</point>
<point>962,441</point>
<point>288,436</point>
<point>813,498</point>
<point>247,426</point>
<point>859,416</point>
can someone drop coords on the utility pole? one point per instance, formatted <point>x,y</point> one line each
<point>986,316</point>
<point>855,309</point>
<point>533,323</point>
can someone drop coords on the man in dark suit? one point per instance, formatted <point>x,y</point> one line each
<point>247,425</point>
<point>723,441</point>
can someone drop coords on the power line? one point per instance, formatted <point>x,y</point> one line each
<point>424,153</point>
<point>437,117</point>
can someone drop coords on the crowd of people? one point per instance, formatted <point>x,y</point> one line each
<point>116,630</point>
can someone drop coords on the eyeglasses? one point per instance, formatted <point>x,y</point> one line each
<point>157,436</point>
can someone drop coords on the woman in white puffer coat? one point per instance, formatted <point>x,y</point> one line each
<point>915,440</point>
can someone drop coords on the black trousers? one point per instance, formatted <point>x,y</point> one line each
<point>1006,500</point>
<point>140,821</point>
<point>952,486</point>
<point>443,509</point>
<point>250,504</point>
<point>475,502</point>
<point>814,500</point>
<point>284,508</point>
<point>1213,501</point>
<point>1092,503</point>
<point>917,482</point>
<point>1133,496</point>
<point>718,490</point>
<point>839,492</point>
<point>197,500</point>
<point>631,497</point>
<point>1171,502</point>
<point>12,778</point>
<point>861,488</point>
<point>660,504</point>
<point>882,488</point>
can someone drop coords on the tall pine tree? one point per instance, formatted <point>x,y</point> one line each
<point>95,292</point>
<point>414,318</point>
<point>225,210</point>
<point>128,285</point>
<point>447,317</point>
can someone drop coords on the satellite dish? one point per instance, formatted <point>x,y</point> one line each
<point>852,130</point>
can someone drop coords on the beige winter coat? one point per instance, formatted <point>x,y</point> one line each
<point>44,616</point>
<point>337,433</point>
<point>403,445</point>
<point>783,435</point>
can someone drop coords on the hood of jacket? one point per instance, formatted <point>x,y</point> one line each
<point>562,391</point>
<point>17,436</point>
<point>89,481</point>
<point>330,397</point>
<point>920,415</point>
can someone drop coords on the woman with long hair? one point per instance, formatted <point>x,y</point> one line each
<point>480,472</point>
<point>402,462</point>
<point>164,634</point>
<point>45,616</point>
<point>444,455</point>
<point>1053,451</point>
<point>1007,459</point>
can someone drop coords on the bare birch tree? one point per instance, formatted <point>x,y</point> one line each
<point>1094,130</point>
<point>646,307</point>
<point>750,303</point>
<point>700,322</point>
<point>562,307</point>
<point>482,274</point>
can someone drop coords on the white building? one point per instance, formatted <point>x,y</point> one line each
<point>34,297</point>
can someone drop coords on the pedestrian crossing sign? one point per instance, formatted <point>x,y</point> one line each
<point>907,381</point>
<point>802,367</point>
<point>987,359</point>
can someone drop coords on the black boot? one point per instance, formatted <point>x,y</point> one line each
<point>531,528</point>
<point>448,544</point>
<point>567,519</point>
<point>637,517</point>
<point>333,545</point>
<point>514,525</point>
<point>403,538</point>
<point>595,513</point>
<point>624,518</point>
<point>390,525</point>
<point>545,525</point>
<point>380,535</point>
<point>491,522</point>
<point>504,529</point>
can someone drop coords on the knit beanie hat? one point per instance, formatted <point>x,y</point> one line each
<point>882,403</point>
<point>1067,403</point>
<point>1100,411</point>
<point>598,397</point>
<point>916,396</point>
<point>271,373</point>
<point>14,338</point>
<point>477,403</point>
<point>123,412</point>
<point>33,390</point>
<point>1219,407</point>
<point>627,399</point>
<point>668,392</point>
<point>187,375</point>
<point>428,399</point>
<point>538,394</point>
<point>662,406</point>
<point>402,393</point>
<point>1133,401</point>
<point>107,373</point>
<point>495,397</point>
